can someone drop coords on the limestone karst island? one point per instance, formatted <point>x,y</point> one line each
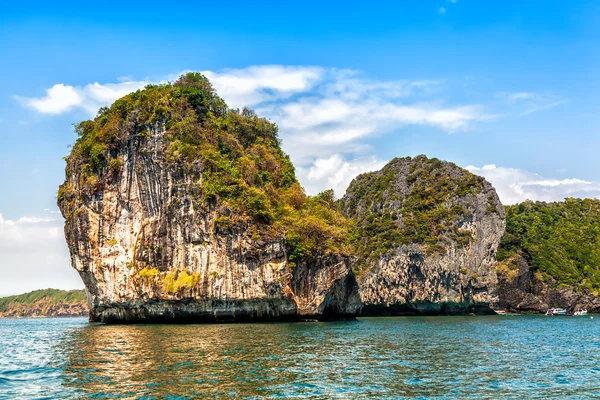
<point>300,200</point>
<point>180,209</point>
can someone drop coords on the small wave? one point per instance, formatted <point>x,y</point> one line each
<point>33,371</point>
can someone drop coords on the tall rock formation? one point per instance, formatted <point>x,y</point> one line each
<point>179,209</point>
<point>427,236</point>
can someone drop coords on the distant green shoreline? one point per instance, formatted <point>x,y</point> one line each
<point>44,303</point>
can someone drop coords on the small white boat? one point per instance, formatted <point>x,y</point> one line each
<point>580,312</point>
<point>556,311</point>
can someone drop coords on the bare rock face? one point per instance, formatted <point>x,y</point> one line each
<point>428,232</point>
<point>150,248</point>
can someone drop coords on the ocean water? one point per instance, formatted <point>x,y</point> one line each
<point>431,357</point>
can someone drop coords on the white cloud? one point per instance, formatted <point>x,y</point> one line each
<point>34,255</point>
<point>59,98</point>
<point>542,107</point>
<point>62,98</point>
<point>344,109</point>
<point>313,127</point>
<point>514,185</point>
<point>442,10</point>
<point>521,96</point>
<point>257,84</point>
<point>323,113</point>
<point>240,87</point>
<point>335,173</point>
<point>529,102</point>
<point>97,95</point>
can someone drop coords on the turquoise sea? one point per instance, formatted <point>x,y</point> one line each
<point>388,358</point>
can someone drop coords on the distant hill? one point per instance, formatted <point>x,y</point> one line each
<point>45,303</point>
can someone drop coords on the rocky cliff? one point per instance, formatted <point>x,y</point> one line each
<point>426,238</point>
<point>179,209</point>
<point>523,289</point>
<point>549,256</point>
<point>44,303</point>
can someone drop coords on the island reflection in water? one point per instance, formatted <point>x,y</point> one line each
<point>457,357</point>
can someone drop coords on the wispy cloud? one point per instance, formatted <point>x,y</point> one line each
<point>542,107</point>
<point>257,84</point>
<point>241,87</point>
<point>325,115</point>
<point>527,103</point>
<point>521,96</point>
<point>515,185</point>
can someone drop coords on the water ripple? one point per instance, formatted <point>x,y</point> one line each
<point>431,357</point>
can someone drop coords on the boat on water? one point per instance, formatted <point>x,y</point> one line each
<point>556,311</point>
<point>562,311</point>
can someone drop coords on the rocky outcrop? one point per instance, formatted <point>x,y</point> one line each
<point>179,209</point>
<point>149,246</point>
<point>523,290</point>
<point>146,217</point>
<point>429,232</point>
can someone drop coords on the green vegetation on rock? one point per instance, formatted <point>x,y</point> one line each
<point>560,240</point>
<point>244,176</point>
<point>46,296</point>
<point>410,201</point>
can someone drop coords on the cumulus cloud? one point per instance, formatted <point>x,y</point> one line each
<point>240,87</point>
<point>34,255</point>
<point>514,185</point>
<point>323,113</point>
<point>58,99</point>
<point>335,172</point>
<point>253,85</point>
<point>61,98</point>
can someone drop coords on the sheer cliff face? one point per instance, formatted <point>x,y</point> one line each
<point>428,232</point>
<point>151,245</point>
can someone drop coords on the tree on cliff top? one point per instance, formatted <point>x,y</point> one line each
<point>243,166</point>
<point>411,201</point>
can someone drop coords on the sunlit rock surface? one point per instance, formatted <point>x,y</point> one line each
<point>149,249</point>
<point>429,232</point>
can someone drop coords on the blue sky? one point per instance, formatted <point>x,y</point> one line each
<point>509,89</point>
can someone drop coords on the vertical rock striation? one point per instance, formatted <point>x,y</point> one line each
<point>154,238</point>
<point>178,208</point>
<point>428,232</point>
